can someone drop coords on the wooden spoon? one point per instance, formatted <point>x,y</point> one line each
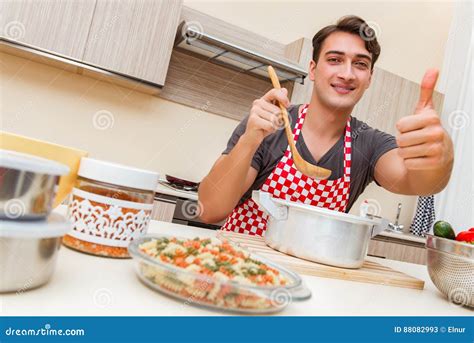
<point>304,167</point>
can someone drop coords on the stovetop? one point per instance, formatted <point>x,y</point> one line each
<point>190,189</point>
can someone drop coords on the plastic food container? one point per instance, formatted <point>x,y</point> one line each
<point>110,206</point>
<point>28,251</point>
<point>198,289</point>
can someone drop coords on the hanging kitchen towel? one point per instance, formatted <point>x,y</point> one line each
<point>424,216</point>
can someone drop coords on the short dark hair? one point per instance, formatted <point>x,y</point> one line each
<point>351,24</point>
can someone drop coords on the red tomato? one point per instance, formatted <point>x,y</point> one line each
<point>466,236</point>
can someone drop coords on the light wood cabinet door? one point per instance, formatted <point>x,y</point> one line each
<point>60,26</point>
<point>397,251</point>
<point>133,37</point>
<point>389,98</point>
<point>163,211</point>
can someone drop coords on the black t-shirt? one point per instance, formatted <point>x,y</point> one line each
<point>368,145</point>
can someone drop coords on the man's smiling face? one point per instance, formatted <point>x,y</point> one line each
<point>343,71</point>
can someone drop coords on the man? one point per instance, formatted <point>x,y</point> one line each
<point>417,162</point>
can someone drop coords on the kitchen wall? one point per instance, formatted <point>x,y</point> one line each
<point>412,34</point>
<point>125,126</point>
<point>111,122</point>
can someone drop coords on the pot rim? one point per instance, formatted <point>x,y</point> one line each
<point>31,163</point>
<point>55,225</point>
<point>450,246</point>
<point>326,212</point>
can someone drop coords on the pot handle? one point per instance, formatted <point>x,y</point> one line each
<point>381,225</point>
<point>302,292</point>
<point>264,200</point>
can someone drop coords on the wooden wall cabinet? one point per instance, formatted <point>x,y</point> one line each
<point>59,26</point>
<point>123,41</point>
<point>134,38</point>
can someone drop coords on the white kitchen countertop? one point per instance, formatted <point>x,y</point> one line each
<point>404,235</point>
<point>85,285</point>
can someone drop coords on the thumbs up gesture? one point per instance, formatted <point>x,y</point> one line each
<point>423,143</point>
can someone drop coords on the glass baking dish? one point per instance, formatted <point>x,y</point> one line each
<point>198,289</point>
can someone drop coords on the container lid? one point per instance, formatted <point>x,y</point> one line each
<point>55,225</point>
<point>118,174</point>
<point>31,163</point>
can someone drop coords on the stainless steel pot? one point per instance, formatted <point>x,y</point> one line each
<point>27,185</point>
<point>318,234</point>
<point>28,252</point>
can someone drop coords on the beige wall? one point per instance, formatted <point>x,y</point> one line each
<point>148,132</point>
<point>46,103</point>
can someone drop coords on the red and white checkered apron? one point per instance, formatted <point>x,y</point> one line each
<point>286,182</point>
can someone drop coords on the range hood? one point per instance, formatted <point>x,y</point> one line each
<point>233,56</point>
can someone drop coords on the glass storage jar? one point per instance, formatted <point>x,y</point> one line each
<point>110,206</point>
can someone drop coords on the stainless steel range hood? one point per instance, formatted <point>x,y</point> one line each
<point>233,56</point>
